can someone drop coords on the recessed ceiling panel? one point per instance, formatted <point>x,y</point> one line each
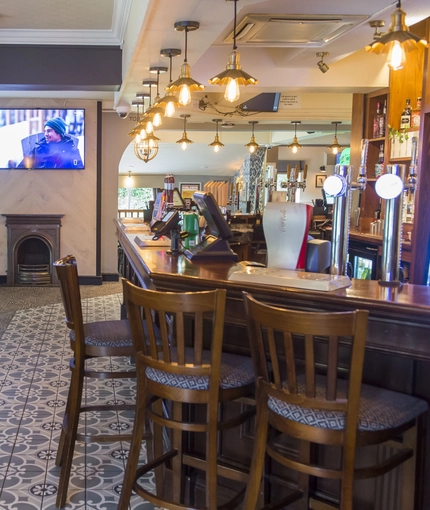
<point>292,31</point>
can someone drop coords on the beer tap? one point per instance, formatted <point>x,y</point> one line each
<point>296,179</point>
<point>411,183</point>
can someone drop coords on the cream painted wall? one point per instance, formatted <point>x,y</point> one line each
<point>68,192</point>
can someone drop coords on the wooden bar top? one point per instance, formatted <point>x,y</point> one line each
<point>399,317</point>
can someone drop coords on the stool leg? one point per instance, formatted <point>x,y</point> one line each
<point>211,456</point>
<point>177,483</point>
<point>136,443</point>
<point>257,463</point>
<point>158,447</point>
<point>70,430</point>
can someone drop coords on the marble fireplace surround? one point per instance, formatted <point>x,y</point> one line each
<point>21,227</point>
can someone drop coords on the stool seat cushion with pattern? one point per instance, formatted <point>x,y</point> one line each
<point>379,409</point>
<point>110,334</point>
<point>236,371</point>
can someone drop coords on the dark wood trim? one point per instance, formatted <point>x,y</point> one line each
<point>110,277</point>
<point>90,280</point>
<point>99,190</point>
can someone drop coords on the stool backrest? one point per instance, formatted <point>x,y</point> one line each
<point>181,319</point>
<point>67,274</point>
<point>290,347</point>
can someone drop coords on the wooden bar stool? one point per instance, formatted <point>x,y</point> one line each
<point>183,372</point>
<point>324,409</point>
<point>90,340</point>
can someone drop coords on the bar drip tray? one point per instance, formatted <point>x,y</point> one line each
<point>288,278</point>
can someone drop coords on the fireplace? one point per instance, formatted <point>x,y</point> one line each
<point>33,244</point>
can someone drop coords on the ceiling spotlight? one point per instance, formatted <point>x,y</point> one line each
<point>185,141</point>
<point>295,144</point>
<point>322,66</point>
<point>377,23</point>
<point>184,85</point>
<point>252,145</point>
<point>398,41</point>
<point>335,147</point>
<point>216,144</point>
<point>233,76</point>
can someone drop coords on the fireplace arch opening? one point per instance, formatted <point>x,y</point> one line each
<point>33,261</point>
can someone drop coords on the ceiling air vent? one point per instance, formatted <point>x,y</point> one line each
<point>271,30</point>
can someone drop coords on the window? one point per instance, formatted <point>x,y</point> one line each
<point>134,198</point>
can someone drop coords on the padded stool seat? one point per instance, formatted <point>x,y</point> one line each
<point>379,409</point>
<point>236,371</point>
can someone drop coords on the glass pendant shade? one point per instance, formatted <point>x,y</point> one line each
<point>147,148</point>
<point>295,146</point>
<point>398,41</point>
<point>335,147</point>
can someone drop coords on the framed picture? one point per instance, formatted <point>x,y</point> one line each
<point>319,180</point>
<point>187,189</point>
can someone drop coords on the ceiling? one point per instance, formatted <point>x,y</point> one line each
<point>278,43</point>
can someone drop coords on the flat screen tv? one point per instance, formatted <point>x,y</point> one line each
<point>265,102</point>
<point>42,139</point>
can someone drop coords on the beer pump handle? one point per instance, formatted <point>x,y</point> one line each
<point>363,156</point>
<point>305,172</point>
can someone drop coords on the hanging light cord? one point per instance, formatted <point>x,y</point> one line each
<point>234,32</point>
<point>170,66</point>
<point>186,44</point>
<point>399,4</point>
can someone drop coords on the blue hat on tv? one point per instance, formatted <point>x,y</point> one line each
<point>57,124</point>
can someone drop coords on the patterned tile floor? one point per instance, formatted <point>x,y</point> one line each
<point>34,379</point>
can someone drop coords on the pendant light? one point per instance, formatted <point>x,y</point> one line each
<point>185,141</point>
<point>170,102</point>
<point>398,41</point>
<point>233,76</point>
<point>184,85</point>
<point>146,124</point>
<point>295,145</point>
<point>129,180</point>
<point>335,147</point>
<point>216,144</point>
<point>145,145</point>
<point>156,111</point>
<point>252,145</point>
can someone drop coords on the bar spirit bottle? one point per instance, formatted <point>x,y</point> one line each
<point>405,119</point>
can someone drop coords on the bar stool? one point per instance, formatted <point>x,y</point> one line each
<point>90,340</point>
<point>183,372</point>
<point>324,409</point>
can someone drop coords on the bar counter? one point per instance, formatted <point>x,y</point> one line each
<point>398,340</point>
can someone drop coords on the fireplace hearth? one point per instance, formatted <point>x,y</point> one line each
<point>33,244</point>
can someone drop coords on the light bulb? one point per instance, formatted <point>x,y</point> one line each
<point>137,139</point>
<point>143,134</point>
<point>335,150</point>
<point>232,91</point>
<point>170,109</point>
<point>216,148</point>
<point>149,128</point>
<point>184,95</point>
<point>396,56</point>
<point>151,143</point>
<point>184,145</point>
<point>252,149</point>
<point>294,150</point>
<point>157,120</point>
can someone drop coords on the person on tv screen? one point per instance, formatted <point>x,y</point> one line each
<point>55,150</point>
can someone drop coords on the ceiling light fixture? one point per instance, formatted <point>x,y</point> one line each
<point>184,85</point>
<point>145,145</point>
<point>295,144</point>
<point>129,180</point>
<point>233,76</point>
<point>185,141</point>
<point>169,101</point>
<point>146,123</point>
<point>335,147</point>
<point>323,67</point>
<point>252,145</point>
<point>398,41</point>
<point>156,111</point>
<point>216,144</point>
<point>377,23</point>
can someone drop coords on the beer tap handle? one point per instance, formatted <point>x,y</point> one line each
<point>363,157</point>
<point>305,172</point>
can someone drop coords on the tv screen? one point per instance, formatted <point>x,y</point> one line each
<point>265,102</point>
<point>208,206</point>
<point>48,139</point>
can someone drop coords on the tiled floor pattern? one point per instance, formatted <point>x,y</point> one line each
<point>34,380</point>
